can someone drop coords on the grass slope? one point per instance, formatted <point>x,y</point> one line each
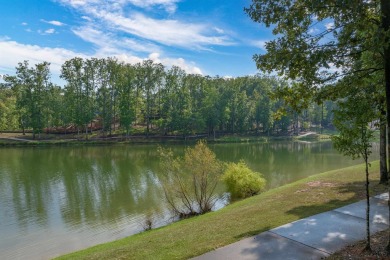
<point>195,236</point>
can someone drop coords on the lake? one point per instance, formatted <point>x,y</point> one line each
<point>55,200</point>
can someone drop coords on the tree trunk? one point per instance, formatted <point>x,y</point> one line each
<point>322,117</point>
<point>147,115</point>
<point>382,149</point>
<point>385,11</point>
<point>368,245</point>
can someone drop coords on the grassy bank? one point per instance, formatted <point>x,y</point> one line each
<point>192,237</point>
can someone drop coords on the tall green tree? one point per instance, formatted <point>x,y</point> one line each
<point>91,74</point>
<point>171,95</point>
<point>354,121</point>
<point>210,105</point>
<point>54,108</point>
<point>31,85</point>
<point>8,112</point>
<point>195,85</point>
<point>114,68</point>
<point>150,76</point>
<point>104,97</point>
<point>127,96</point>
<point>263,105</point>
<point>72,71</point>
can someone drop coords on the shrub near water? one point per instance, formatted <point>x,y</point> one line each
<point>189,182</point>
<point>241,181</point>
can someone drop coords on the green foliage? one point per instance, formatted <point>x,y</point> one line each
<point>127,97</point>
<point>190,181</point>
<point>102,93</point>
<point>353,120</point>
<point>319,44</point>
<point>31,87</point>
<point>241,181</point>
<point>8,115</point>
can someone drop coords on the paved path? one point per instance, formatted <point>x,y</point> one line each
<point>314,237</point>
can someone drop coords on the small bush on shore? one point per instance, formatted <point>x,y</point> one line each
<point>241,181</point>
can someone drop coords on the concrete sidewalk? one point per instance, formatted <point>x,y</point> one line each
<point>314,237</point>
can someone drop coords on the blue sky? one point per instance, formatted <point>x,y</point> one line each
<point>210,37</point>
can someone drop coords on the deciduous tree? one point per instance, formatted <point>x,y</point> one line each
<point>353,120</point>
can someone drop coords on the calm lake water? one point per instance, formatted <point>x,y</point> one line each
<point>55,200</point>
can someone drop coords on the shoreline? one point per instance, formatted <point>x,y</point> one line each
<point>18,140</point>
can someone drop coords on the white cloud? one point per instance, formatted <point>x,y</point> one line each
<point>46,32</point>
<point>55,23</point>
<point>111,16</point>
<point>50,31</point>
<point>180,62</point>
<point>169,5</point>
<point>80,3</point>
<point>167,32</point>
<point>108,44</point>
<point>24,24</point>
<point>122,49</point>
<point>17,52</point>
<point>329,26</point>
<point>259,44</point>
<point>128,58</point>
<point>219,30</point>
<point>86,18</point>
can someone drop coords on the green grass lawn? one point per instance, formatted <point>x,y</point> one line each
<point>195,236</point>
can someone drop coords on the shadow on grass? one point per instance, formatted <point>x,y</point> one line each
<point>252,233</point>
<point>355,188</point>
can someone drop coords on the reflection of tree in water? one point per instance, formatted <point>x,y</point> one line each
<point>92,184</point>
<point>121,182</point>
<point>29,177</point>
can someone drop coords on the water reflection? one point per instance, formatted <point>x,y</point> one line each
<point>60,199</point>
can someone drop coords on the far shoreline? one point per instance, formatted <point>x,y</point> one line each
<point>17,139</point>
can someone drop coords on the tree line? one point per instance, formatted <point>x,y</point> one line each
<point>121,98</point>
